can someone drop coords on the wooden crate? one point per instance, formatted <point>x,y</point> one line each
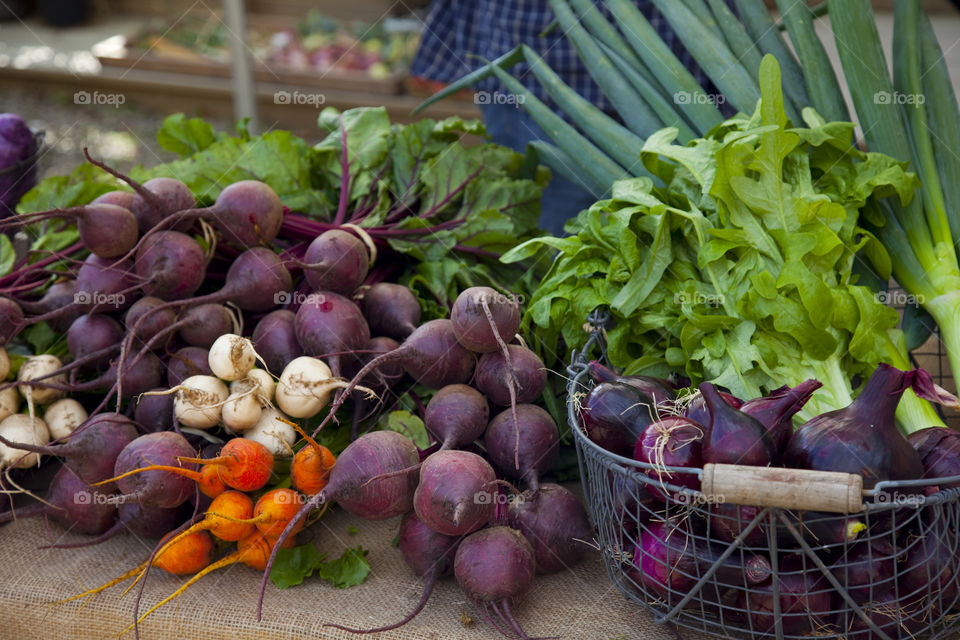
<point>170,57</point>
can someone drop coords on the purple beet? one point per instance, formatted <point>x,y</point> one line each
<point>189,361</point>
<point>455,493</point>
<point>17,148</point>
<point>336,260</point>
<point>429,555</point>
<point>495,567</point>
<point>74,505</point>
<point>155,488</point>
<point>391,310</point>
<point>92,449</point>
<point>365,483</point>
<point>555,523</point>
<point>201,325</point>
<point>524,450</point>
<point>456,416</point>
<point>275,340</point>
<point>140,520</point>
<point>525,366</point>
<point>484,320</point>
<point>155,412</point>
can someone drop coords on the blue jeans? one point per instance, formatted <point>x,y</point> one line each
<point>511,126</point>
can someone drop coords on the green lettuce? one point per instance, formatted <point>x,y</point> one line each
<point>740,270</point>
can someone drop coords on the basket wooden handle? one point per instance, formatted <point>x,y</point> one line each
<point>798,489</point>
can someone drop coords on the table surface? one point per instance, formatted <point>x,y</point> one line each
<point>576,604</point>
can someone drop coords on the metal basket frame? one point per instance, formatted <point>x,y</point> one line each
<point>607,478</point>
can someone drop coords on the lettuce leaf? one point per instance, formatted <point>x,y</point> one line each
<point>740,269</point>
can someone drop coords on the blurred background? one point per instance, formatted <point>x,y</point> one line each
<point>103,73</point>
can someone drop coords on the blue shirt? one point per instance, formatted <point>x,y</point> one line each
<point>455,29</point>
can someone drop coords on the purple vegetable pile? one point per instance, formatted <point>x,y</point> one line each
<point>894,562</point>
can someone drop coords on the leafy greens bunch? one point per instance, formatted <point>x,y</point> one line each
<point>739,267</point>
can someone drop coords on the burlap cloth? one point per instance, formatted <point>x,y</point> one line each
<point>577,604</point>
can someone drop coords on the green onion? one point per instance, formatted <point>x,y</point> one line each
<point>819,77</point>
<point>507,60</point>
<point>944,118</point>
<point>713,55</point>
<point>908,85</point>
<point>607,35</point>
<point>637,115</point>
<point>756,18</point>
<point>666,110</point>
<point>621,144</point>
<point>741,44</point>
<point>597,168</point>
<point>665,66</point>
<point>560,162</point>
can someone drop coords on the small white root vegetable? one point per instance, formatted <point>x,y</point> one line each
<point>267,385</point>
<point>9,402</point>
<point>198,401</point>
<point>305,386</point>
<point>4,364</point>
<point>275,435</point>
<point>22,428</point>
<point>231,357</point>
<point>37,367</point>
<point>242,410</point>
<point>63,416</point>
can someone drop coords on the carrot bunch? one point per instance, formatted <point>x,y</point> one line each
<point>243,467</point>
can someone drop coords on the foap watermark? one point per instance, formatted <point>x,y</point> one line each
<point>298,298</point>
<point>698,498</point>
<point>495,497</point>
<point>97,98</point>
<point>315,100</point>
<point>698,97</point>
<point>710,299</point>
<point>498,97</point>
<point>899,298</point>
<point>289,497</point>
<point>886,97</point>
<point>87,498</point>
<point>497,298</point>
<point>97,299</point>
<point>898,499</point>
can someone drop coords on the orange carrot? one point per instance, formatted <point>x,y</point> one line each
<point>311,466</point>
<point>207,479</point>
<point>253,550</point>
<point>274,511</point>
<point>182,556</point>
<point>227,518</point>
<point>245,465</point>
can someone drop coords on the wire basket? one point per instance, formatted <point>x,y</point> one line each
<point>766,552</point>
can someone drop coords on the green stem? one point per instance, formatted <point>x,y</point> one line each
<point>945,310</point>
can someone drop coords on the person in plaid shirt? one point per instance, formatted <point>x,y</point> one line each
<point>456,31</point>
